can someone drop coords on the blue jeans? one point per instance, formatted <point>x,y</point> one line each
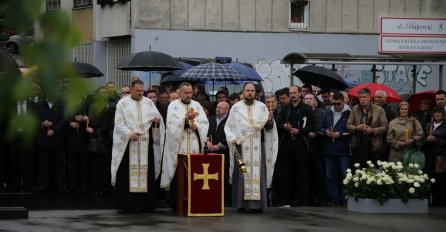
<point>335,168</point>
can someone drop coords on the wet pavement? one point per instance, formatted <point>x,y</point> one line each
<point>272,219</point>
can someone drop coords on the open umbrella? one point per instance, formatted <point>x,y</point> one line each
<point>87,70</point>
<point>415,99</point>
<point>149,61</point>
<point>321,77</point>
<point>172,78</point>
<point>185,67</point>
<point>212,72</point>
<point>392,95</point>
<point>7,63</point>
<point>246,71</point>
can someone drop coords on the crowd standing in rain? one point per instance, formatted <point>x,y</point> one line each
<point>320,133</point>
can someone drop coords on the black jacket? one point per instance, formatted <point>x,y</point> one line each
<point>218,133</point>
<point>56,116</point>
<point>295,116</point>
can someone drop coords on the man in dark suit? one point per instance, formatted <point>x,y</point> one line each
<point>217,142</point>
<point>295,121</point>
<point>22,150</point>
<point>50,143</point>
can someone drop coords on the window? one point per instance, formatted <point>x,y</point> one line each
<point>52,5</point>
<point>299,11</point>
<point>110,2</point>
<point>81,3</point>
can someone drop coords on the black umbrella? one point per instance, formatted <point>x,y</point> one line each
<point>172,78</point>
<point>87,70</point>
<point>7,62</point>
<point>149,61</point>
<point>322,77</point>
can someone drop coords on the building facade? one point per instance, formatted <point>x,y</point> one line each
<point>260,32</point>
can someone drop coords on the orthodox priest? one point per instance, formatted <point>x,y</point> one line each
<point>186,131</point>
<point>251,130</point>
<point>136,154</point>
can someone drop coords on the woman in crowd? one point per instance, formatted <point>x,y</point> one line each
<point>99,126</point>
<point>404,132</point>
<point>435,152</point>
<point>424,116</point>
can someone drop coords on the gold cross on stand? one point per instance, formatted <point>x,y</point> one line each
<point>205,176</point>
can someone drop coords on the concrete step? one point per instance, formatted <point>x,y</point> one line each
<point>13,213</point>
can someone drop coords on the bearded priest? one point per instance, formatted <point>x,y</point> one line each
<point>138,137</point>
<point>251,132</point>
<point>186,131</point>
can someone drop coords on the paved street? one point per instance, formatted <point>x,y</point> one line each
<point>273,219</point>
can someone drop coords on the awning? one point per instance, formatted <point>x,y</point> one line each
<point>344,58</point>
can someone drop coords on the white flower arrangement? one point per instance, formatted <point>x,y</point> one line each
<point>387,180</point>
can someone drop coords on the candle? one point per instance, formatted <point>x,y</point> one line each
<point>270,106</point>
<point>331,130</point>
<point>363,122</point>
<point>431,127</point>
<point>407,135</point>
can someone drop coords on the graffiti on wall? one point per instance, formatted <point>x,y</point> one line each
<point>276,75</point>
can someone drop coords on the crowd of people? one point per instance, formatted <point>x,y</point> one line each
<point>296,146</point>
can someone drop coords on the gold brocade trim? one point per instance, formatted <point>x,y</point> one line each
<point>222,192</point>
<point>141,170</point>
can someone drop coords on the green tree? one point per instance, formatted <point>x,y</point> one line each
<point>49,54</point>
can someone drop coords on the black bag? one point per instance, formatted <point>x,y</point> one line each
<point>95,144</point>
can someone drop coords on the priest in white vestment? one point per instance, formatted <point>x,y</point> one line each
<point>138,137</point>
<point>250,128</point>
<point>186,131</point>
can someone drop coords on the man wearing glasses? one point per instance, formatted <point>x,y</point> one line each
<point>336,148</point>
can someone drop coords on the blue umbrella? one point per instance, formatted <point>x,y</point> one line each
<point>246,71</point>
<point>351,83</point>
<point>185,66</point>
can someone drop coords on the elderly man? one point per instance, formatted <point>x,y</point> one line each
<point>381,100</point>
<point>316,162</point>
<point>136,153</point>
<point>367,123</point>
<point>216,142</point>
<point>125,90</point>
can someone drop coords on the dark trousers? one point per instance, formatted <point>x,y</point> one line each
<point>362,155</point>
<point>316,174</point>
<point>291,173</point>
<point>22,169</point>
<point>335,168</point>
<point>100,172</point>
<point>3,168</point>
<point>73,170</point>
<point>49,174</point>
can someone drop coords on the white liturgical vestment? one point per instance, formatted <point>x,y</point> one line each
<point>244,126</point>
<point>137,116</point>
<point>180,140</point>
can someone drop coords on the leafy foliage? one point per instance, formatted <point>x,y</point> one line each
<point>49,56</point>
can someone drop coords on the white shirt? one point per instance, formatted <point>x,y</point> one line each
<point>21,107</point>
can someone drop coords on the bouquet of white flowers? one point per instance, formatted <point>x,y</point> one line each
<point>387,180</point>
